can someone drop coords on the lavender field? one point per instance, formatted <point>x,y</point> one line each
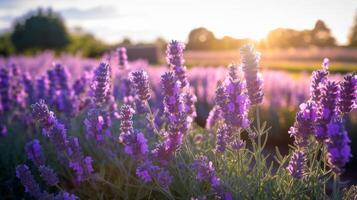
<point>77,128</point>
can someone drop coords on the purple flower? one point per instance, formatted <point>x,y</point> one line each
<point>17,92</point>
<point>205,171</point>
<point>3,131</point>
<point>126,118</point>
<point>140,81</point>
<point>222,134</point>
<point>338,149</point>
<point>41,88</point>
<point>348,93</point>
<point>29,88</point>
<point>101,85</point>
<point>328,108</point>
<point>65,196</point>
<point>34,153</point>
<point>135,144</point>
<point>233,103</point>
<point>48,175</point>
<point>80,86</point>
<point>67,148</point>
<point>233,71</point>
<point>148,172</point>
<point>189,104</point>
<point>297,164</point>
<point>318,80</point>
<point>237,144</point>
<point>304,124</point>
<point>250,61</point>
<point>27,180</point>
<point>213,117</point>
<point>5,89</point>
<point>174,56</point>
<point>174,107</point>
<point>97,124</point>
<point>122,58</point>
<point>43,115</point>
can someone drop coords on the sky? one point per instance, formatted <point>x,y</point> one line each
<point>145,20</point>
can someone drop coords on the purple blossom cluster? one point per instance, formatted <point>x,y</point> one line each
<point>304,124</point>
<point>60,94</point>
<point>250,64</point>
<point>330,95</point>
<point>122,58</point>
<point>296,165</point>
<point>134,141</point>
<point>348,94</point>
<point>233,102</point>
<point>205,172</point>
<point>174,57</point>
<point>338,149</point>
<point>32,187</point>
<point>213,117</point>
<point>140,81</point>
<point>322,117</point>
<point>148,172</point>
<point>103,107</point>
<point>67,147</point>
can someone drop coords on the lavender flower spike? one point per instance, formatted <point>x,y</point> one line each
<point>233,102</point>
<point>140,80</point>
<point>328,108</point>
<point>348,93</point>
<point>213,117</point>
<point>318,80</point>
<point>126,117</point>
<point>338,149</point>
<point>304,124</point>
<point>65,196</point>
<point>206,171</point>
<point>34,152</point>
<point>122,58</point>
<point>297,164</point>
<point>48,175</point>
<point>175,59</point>
<point>27,180</point>
<point>101,84</point>
<point>250,64</point>
<point>222,135</point>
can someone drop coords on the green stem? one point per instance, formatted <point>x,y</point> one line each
<point>151,118</point>
<point>336,179</point>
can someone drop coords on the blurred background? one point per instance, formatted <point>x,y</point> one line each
<point>293,37</point>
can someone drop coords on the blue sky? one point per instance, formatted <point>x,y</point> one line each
<point>144,20</point>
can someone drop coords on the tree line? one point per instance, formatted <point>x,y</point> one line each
<point>45,29</point>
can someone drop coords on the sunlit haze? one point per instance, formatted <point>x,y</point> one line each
<point>144,20</point>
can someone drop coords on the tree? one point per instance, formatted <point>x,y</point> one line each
<point>321,35</point>
<point>86,44</point>
<point>201,38</point>
<point>353,34</point>
<point>6,47</point>
<point>285,38</point>
<point>39,30</point>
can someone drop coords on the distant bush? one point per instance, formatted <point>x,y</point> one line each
<point>87,45</point>
<point>6,47</point>
<point>39,30</point>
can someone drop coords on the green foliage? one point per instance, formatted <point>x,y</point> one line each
<point>248,173</point>
<point>203,39</point>
<point>39,30</point>
<point>6,47</point>
<point>87,45</point>
<point>319,36</point>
